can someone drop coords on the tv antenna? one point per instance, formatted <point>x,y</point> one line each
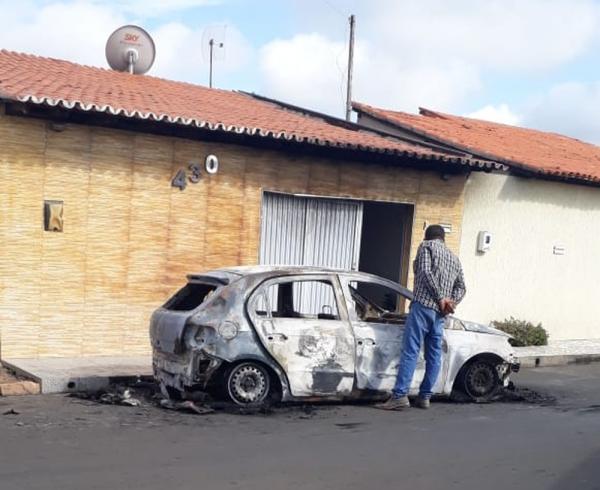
<point>130,49</point>
<point>213,47</point>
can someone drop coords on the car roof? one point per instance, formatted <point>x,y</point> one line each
<point>244,270</point>
<point>230,274</point>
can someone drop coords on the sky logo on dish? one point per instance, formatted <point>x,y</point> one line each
<point>132,38</point>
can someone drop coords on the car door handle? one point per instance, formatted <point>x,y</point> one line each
<point>366,342</point>
<point>277,337</point>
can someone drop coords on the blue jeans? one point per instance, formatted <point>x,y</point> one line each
<point>422,324</point>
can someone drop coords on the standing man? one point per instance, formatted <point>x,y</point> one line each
<point>439,287</point>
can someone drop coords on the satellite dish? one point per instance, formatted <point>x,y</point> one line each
<point>131,49</point>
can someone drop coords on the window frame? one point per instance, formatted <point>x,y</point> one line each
<point>331,279</point>
<point>404,295</point>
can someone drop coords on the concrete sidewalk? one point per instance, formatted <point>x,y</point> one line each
<point>62,375</point>
<point>559,353</point>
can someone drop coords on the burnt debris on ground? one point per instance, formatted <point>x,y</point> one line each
<point>134,396</point>
<point>516,394</point>
<point>144,394</point>
<point>147,394</point>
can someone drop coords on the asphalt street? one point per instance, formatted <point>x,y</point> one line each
<point>548,440</point>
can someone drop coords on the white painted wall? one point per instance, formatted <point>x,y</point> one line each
<point>520,275</point>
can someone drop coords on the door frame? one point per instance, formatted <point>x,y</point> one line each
<point>270,339</point>
<point>369,328</point>
<point>345,280</point>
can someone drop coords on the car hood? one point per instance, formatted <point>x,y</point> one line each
<point>478,328</point>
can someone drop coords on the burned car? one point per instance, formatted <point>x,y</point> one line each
<point>259,334</point>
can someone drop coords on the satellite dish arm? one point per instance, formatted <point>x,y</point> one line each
<point>130,61</point>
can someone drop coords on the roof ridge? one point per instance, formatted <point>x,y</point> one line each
<point>444,115</point>
<point>425,112</point>
<point>370,109</point>
<point>430,113</point>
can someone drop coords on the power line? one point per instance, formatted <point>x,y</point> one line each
<point>348,78</point>
<point>334,8</point>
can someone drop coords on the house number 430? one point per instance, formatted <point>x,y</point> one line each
<point>211,165</point>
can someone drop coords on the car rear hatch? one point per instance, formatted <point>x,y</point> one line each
<point>167,325</point>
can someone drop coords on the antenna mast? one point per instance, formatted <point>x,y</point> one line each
<point>350,65</point>
<point>211,45</point>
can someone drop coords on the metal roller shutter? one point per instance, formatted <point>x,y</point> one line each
<point>311,232</point>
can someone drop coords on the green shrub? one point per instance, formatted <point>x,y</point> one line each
<point>524,333</point>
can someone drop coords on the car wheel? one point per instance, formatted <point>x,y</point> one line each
<point>480,380</point>
<point>248,384</point>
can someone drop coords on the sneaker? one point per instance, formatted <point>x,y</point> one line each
<point>423,403</point>
<point>394,403</point>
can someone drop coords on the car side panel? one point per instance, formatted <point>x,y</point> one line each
<point>316,355</point>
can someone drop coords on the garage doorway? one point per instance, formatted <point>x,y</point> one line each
<point>385,247</point>
<point>385,239</point>
<point>369,236</point>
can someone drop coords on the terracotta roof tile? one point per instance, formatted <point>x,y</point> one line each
<point>534,151</point>
<point>38,80</point>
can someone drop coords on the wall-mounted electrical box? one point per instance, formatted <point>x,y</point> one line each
<point>484,241</point>
<point>53,216</point>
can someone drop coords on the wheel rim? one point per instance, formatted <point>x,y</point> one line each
<point>481,379</point>
<point>248,384</point>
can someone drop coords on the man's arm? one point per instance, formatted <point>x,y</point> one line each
<point>423,261</point>
<point>459,289</point>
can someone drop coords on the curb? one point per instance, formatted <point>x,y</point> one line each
<point>77,382</point>
<point>73,384</point>
<point>558,360</point>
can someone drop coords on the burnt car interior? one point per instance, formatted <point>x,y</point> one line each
<point>190,296</point>
<point>302,299</point>
<point>377,304</point>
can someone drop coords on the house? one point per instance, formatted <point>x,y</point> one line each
<point>541,215</point>
<point>114,186</point>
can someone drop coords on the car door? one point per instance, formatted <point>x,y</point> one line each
<point>303,323</point>
<point>376,311</point>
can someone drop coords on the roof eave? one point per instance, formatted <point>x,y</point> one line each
<point>80,106</point>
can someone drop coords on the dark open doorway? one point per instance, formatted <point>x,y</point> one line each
<point>385,240</point>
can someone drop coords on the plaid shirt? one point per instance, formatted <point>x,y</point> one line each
<point>438,274</point>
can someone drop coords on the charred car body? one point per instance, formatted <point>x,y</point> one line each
<point>259,333</point>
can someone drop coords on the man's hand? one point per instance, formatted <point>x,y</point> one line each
<point>447,306</point>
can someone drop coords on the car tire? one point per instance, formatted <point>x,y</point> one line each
<point>479,380</point>
<point>249,384</point>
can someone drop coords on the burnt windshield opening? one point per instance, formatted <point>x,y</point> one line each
<point>190,296</point>
<point>375,303</point>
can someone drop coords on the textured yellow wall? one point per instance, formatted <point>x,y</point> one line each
<point>130,238</point>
